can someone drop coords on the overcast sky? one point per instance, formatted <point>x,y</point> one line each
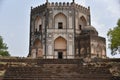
<point>15,20</point>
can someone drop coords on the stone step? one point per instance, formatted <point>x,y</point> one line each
<point>55,72</point>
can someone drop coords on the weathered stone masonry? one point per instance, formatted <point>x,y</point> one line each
<point>64,31</point>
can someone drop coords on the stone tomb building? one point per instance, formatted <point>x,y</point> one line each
<point>64,31</point>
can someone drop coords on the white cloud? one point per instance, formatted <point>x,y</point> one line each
<point>99,27</point>
<point>113,8</point>
<point>81,2</point>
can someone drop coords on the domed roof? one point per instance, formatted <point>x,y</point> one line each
<point>90,29</point>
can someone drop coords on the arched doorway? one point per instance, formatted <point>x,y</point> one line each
<point>37,49</point>
<point>60,47</point>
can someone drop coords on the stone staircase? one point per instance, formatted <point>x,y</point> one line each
<point>57,72</point>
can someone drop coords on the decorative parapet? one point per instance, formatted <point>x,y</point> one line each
<point>38,8</point>
<point>60,4</point>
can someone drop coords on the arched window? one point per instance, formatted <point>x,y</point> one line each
<point>103,51</point>
<point>60,21</point>
<point>38,24</point>
<point>82,22</point>
<point>92,48</point>
<point>98,50</point>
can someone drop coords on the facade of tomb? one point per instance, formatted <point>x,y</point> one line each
<point>64,31</point>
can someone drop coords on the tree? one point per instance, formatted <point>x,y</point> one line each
<point>3,48</point>
<point>114,39</point>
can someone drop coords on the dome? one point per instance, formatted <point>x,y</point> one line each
<point>90,29</point>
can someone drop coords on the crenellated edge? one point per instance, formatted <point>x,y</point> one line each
<point>61,4</point>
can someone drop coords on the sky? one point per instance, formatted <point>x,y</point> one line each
<point>15,21</point>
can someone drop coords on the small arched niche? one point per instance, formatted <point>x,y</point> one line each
<point>37,43</point>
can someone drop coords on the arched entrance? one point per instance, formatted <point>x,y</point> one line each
<point>60,47</point>
<point>37,49</point>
